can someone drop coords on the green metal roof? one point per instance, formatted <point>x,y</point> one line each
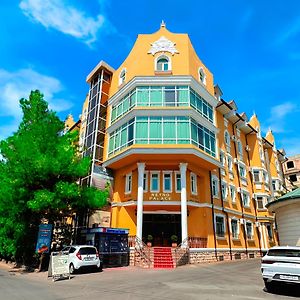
<point>288,196</point>
<point>291,195</point>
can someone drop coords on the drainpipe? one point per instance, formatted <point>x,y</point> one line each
<point>241,201</point>
<point>255,205</point>
<point>213,215</point>
<point>226,213</point>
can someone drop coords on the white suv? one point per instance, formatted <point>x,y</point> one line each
<point>281,264</point>
<point>83,256</point>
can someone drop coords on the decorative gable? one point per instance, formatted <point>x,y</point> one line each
<point>163,44</point>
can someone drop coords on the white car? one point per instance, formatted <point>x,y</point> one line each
<point>281,264</point>
<point>83,256</point>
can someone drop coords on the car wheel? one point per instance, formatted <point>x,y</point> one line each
<point>268,286</point>
<point>99,269</point>
<point>71,269</point>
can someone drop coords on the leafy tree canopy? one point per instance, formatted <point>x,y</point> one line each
<point>39,174</point>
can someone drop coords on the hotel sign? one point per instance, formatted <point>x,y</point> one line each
<point>160,197</point>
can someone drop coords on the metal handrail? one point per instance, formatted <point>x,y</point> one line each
<point>183,248</point>
<point>143,249</point>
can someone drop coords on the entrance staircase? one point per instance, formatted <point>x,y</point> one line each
<point>163,258</point>
<point>159,257</point>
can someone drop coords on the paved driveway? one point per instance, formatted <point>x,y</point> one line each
<point>226,280</point>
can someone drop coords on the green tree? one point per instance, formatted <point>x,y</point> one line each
<point>39,173</point>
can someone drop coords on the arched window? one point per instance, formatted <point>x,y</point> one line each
<point>122,77</point>
<point>227,138</point>
<point>163,64</point>
<point>202,76</point>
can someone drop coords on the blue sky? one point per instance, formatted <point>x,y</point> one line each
<point>251,47</point>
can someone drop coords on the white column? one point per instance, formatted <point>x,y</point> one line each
<point>139,216</point>
<point>184,231</point>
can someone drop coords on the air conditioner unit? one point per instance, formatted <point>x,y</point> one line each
<point>233,137</point>
<point>238,189</point>
<point>257,224</point>
<point>274,226</point>
<point>235,160</point>
<point>242,221</point>
<point>247,148</point>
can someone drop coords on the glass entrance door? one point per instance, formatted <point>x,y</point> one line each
<point>161,227</point>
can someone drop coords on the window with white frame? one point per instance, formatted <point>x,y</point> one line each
<point>274,185</point>
<point>193,183</point>
<point>222,158</point>
<point>242,171</point>
<point>122,77</point>
<point>145,182</point>
<point>261,153</point>
<point>246,199</point>
<point>215,186</point>
<point>240,148</point>
<point>220,225</point>
<point>163,64</point>
<point>202,76</point>
<point>256,176</point>
<point>260,200</point>
<point>154,182</point>
<point>167,184</point>
<point>235,228</point>
<point>270,231</point>
<point>232,193</point>
<point>266,177</point>
<point>229,162</point>
<point>249,230</point>
<point>178,182</point>
<point>227,138</point>
<point>224,190</point>
<point>128,183</point>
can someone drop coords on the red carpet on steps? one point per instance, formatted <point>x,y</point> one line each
<point>162,257</point>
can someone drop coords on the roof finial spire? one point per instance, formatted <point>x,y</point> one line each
<point>162,24</point>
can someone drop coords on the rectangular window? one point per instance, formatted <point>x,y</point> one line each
<point>167,182</point>
<point>170,96</point>
<point>155,182</point>
<point>246,199</point>
<point>232,193</point>
<point>249,230</point>
<point>274,185</point>
<point>242,171</point>
<point>290,164</point>
<point>145,182</point>
<point>224,190</point>
<point>220,226</point>
<point>260,202</point>
<point>178,182</point>
<point>256,176</point>
<point>293,178</point>
<point>193,183</point>
<point>235,228</point>
<point>215,190</point>
<point>128,183</point>
<point>229,160</point>
<point>222,158</point>
<point>270,231</point>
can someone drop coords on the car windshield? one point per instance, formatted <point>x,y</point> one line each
<point>284,252</point>
<point>87,250</point>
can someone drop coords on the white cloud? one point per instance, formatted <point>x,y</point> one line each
<point>58,15</point>
<point>278,114</point>
<point>17,85</point>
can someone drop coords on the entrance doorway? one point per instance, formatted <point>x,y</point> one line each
<point>161,227</point>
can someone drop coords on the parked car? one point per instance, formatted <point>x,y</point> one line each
<point>83,256</point>
<point>281,264</point>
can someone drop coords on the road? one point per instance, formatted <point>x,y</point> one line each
<point>227,280</point>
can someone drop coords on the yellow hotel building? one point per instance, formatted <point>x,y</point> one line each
<point>181,160</point>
